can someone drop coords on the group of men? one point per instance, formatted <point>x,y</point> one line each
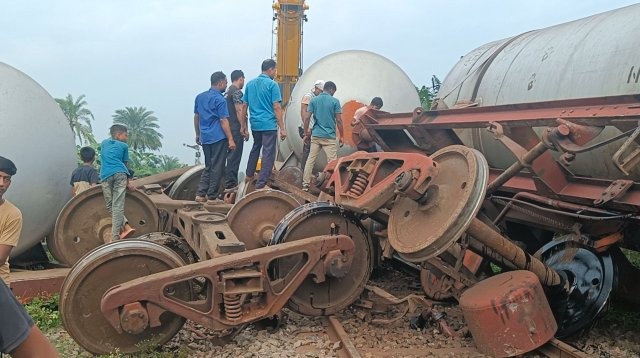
<point>220,123</point>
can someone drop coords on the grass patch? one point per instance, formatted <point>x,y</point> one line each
<point>623,315</point>
<point>632,256</point>
<point>44,311</point>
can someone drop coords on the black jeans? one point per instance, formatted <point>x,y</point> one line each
<point>233,162</point>
<point>265,141</point>
<point>214,157</point>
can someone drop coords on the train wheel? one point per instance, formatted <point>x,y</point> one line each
<point>334,294</point>
<point>84,223</point>
<point>422,231</point>
<point>103,268</point>
<point>187,184</point>
<point>593,278</point>
<point>254,217</point>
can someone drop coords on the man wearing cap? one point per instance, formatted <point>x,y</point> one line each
<point>10,219</point>
<point>306,117</point>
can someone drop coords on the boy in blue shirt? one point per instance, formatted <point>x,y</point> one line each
<point>114,175</point>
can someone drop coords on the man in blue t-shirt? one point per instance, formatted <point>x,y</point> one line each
<point>262,97</point>
<point>211,122</point>
<point>327,115</point>
<point>114,175</point>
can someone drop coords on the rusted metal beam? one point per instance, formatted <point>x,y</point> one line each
<point>513,253</point>
<point>597,110</point>
<point>556,348</point>
<point>27,285</point>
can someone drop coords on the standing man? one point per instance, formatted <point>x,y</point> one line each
<point>327,113</point>
<point>262,97</point>
<point>210,119</point>
<point>238,126</point>
<point>360,135</point>
<point>10,219</point>
<point>306,116</point>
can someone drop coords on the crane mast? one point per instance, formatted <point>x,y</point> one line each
<point>289,15</point>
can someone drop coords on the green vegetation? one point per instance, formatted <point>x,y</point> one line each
<point>143,128</point>
<point>44,312</point>
<point>79,118</point>
<point>428,94</point>
<point>144,135</point>
<point>632,256</point>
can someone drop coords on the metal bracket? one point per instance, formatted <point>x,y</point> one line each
<point>616,189</point>
<point>625,164</point>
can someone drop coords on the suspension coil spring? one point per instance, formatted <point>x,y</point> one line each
<point>359,184</point>
<point>233,306</point>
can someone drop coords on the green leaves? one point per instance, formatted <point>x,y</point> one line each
<point>79,118</point>
<point>143,128</point>
<point>44,312</point>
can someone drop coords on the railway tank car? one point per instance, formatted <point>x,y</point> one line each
<point>360,76</point>
<point>591,57</point>
<point>34,134</point>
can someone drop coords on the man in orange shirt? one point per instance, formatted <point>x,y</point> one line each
<point>359,133</point>
<point>10,219</point>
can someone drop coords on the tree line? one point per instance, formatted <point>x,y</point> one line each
<point>144,136</point>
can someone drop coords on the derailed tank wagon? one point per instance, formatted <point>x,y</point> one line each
<point>527,161</point>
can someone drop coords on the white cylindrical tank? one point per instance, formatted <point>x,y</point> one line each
<point>591,57</point>
<point>35,135</point>
<point>359,76</point>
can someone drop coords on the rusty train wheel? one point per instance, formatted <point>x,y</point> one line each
<point>419,232</point>
<point>187,184</point>
<point>109,265</point>
<point>254,217</point>
<point>84,223</point>
<point>335,294</point>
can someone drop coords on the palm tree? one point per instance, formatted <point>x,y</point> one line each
<point>168,163</point>
<point>79,118</point>
<point>142,125</point>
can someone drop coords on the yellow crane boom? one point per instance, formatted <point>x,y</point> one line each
<point>289,15</point>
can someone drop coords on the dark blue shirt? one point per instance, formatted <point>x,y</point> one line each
<point>211,107</point>
<point>114,155</point>
<point>260,94</point>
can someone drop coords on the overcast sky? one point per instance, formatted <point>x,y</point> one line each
<point>160,54</point>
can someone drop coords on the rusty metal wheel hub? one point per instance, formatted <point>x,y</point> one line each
<point>254,217</point>
<point>419,231</point>
<point>335,293</point>
<point>103,268</point>
<point>84,223</point>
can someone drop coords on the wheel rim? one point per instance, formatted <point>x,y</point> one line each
<point>187,184</point>
<point>254,217</point>
<point>593,277</point>
<point>84,223</point>
<point>335,294</point>
<point>420,232</point>
<point>103,268</point>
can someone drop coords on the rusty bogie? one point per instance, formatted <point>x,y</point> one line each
<point>238,292</point>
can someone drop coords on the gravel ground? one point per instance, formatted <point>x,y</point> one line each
<point>305,336</point>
